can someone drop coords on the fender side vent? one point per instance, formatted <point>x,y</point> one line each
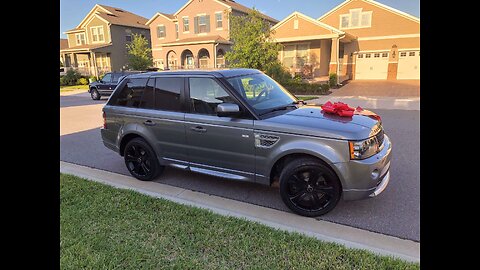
<point>265,141</point>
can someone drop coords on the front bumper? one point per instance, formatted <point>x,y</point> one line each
<point>356,175</point>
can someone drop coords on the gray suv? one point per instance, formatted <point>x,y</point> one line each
<point>242,125</point>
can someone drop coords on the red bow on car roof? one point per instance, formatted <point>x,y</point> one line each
<point>342,109</point>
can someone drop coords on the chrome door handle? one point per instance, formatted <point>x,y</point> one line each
<point>198,129</point>
<point>149,123</point>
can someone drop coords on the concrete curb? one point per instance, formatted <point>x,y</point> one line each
<point>322,230</point>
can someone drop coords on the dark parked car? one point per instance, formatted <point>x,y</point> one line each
<point>242,125</point>
<point>107,84</point>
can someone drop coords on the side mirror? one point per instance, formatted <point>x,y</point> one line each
<point>227,109</point>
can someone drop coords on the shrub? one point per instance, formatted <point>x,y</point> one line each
<point>71,77</point>
<point>303,88</point>
<point>278,72</point>
<point>82,81</point>
<point>325,87</point>
<point>92,79</point>
<point>297,78</point>
<point>332,79</point>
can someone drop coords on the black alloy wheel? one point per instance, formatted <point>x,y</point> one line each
<point>309,188</point>
<point>141,160</point>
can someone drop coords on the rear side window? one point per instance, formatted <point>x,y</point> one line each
<point>167,93</point>
<point>131,93</point>
<point>148,98</point>
<point>116,77</point>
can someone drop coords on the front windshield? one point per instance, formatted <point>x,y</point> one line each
<point>262,92</point>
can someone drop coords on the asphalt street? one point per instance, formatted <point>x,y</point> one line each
<point>395,212</point>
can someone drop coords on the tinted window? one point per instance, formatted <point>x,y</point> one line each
<point>107,77</point>
<point>206,94</point>
<point>148,99</point>
<point>167,93</point>
<point>131,93</point>
<point>116,76</point>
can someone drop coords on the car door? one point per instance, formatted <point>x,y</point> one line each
<point>224,145</point>
<point>161,115</point>
<point>104,86</point>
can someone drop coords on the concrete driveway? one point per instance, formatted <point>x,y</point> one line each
<point>376,88</point>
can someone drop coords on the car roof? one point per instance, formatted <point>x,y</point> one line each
<point>226,73</point>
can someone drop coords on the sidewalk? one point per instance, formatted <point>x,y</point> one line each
<point>372,102</point>
<point>322,230</point>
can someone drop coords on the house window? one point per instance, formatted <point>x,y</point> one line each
<point>219,20</point>
<point>202,24</point>
<point>384,54</point>
<point>161,33</point>
<point>356,18</point>
<point>411,54</point>
<point>80,38</point>
<point>295,56</point>
<point>367,55</point>
<point>186,26</point>
<point>98,34</point>
<point>376,55</point>
<point>295,24</point>
<point>403,54</point>
<point>288,55</point>
<point>360,55</point>
<point>176,30</point>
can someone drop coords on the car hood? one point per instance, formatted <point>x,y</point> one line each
<point>312,121</point>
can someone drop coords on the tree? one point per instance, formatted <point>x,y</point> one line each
<point>139,53</point>
<point>253,45</point>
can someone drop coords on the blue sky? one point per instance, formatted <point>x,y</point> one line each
<point>73,11</point>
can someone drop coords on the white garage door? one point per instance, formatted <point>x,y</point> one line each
<point>409,65</point>
<point>371,66</point>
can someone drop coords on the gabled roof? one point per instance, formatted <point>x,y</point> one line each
<point>165,15</point>
<point>63,43</point>
<point>230,4</point>
<point>309,19</point>
<point>380,5</point>
<point>112,15</point>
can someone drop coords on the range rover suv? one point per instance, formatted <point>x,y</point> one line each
<point>107,84</point>
<point>242,125</point>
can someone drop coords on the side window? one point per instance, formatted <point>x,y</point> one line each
<point>116,76</point>
<point>107,78</point>
<point>131,93</point>
<point>148,98</point>
<point>167,93</point>
<point>206,94</point>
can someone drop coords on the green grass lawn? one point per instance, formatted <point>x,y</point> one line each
<point>102,227</point>
<point>305,98</point>
<point>73,87</point>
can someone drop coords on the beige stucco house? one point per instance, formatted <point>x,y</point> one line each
<point>358,39</point>
<point>196,35</point>
<point>98,44</point>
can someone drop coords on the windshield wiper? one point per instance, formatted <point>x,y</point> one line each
<point>281,108</point>
<point>300,101</point>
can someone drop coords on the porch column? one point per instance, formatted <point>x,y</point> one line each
<point>94,59</point>
<point>333,56</point>
<point>73,60</point>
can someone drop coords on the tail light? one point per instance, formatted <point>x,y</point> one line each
<point>104,120</point>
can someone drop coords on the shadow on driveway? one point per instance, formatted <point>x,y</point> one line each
<point>80,100</point>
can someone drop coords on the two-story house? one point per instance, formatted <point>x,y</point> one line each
<point>358,39</point>
<point>196,36</point>
<point>98,44</point>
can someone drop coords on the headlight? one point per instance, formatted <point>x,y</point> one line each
<point>363,149</point>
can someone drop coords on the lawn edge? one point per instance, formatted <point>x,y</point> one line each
<point>349,237</point>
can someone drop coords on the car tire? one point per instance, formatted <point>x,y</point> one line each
<point>141,160</point>
<point>309,187</point>
<point>94,94</point>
